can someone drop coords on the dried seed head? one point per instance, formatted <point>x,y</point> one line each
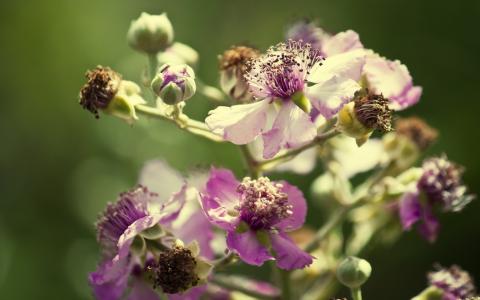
<point>417,131</point>
<point>101,87</point>
<point>237,57</point>
<point>175,270</point>
<point>372,111</point>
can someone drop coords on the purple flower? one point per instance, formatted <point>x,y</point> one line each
<point>440,185</point>
<point>388,78</point>
<point>257,214</point>
<point>286,81</point>
<point>454,282</point>
<point>144,230</point>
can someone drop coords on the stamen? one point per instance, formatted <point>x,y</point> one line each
<point>263,203</point>
<point>282,71</point>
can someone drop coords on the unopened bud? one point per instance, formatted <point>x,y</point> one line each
<point>150,33</point>
<point>174,84</point>
<point>353,272</point>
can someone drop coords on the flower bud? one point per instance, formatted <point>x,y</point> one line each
<point>353,272</point>
<point>150,33</point>
<point>233,65</point>
<point>174,84</point>
<point>106,91</point>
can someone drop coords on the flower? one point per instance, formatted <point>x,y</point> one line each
<point>454,282</point>
<point>280,82</point>
<point>233,66</point>
<point>106,91</point>
<point>439,184</point>
<point>390,79</point>
<point>174,84</point>
<point>257,214</point>
<point>144,231</point>
<point>150,33</point>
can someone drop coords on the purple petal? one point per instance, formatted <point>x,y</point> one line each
<point>109,282</point>
<point>392,79</point>
<point>288,255</point>
<point>348,65</point>
<point>171,209</point>
<point>239,124</point>
<point>430,225</point>
<point>196,227</point>
<point>410,210</point>
<point>142,291</point>
<point>299,208</point>
<point>161,179</point>
<point>192,294</point>
<point>330,96</point>
<point>292,128</point>
<point>247,246</point>
<point>221,198</point>
<point>342,42</point>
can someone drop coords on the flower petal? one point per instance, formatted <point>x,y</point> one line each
<point>328,97</point>
<point>348,65</point>
<point>220,198</point>
<point>410,210</point>
<point>392,80</point>
<point>110,283</point>
<point>292,128</point>
<point>171,209</point>
<point>239,124</point>
<point>196,228</point>
<point>299,208</point>
<point>430,225</point>
<point>141,291</point>
<point>247,246</point>
<point>161,179</point>
<point>288,255</point>
<point>342,42</point>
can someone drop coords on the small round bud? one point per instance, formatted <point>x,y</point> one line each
<point>174,84</point>
<point>150,33</point>
<point>353,272</point>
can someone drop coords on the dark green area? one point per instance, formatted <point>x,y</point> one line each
<point>59,165</point>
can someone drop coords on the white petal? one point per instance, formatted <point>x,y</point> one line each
<point>348,65</point>
<point>342,42</point>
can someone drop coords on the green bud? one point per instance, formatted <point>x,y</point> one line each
<point>174,84</point>
<point>353,272</point>
<point>150,33</point>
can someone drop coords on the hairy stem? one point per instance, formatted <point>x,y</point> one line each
<point>182,121</point>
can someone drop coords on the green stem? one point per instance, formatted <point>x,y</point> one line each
<point>225,261</point>
<point>268,164</point>
<point>152,65</point>
<point>252,165</point>
<point>335,220</point>
<point>232,285</point>
<point>182,121</point>
<point>285,285</point>
<point>356,293</point>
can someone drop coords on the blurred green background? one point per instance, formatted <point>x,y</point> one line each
<point>59,166</point>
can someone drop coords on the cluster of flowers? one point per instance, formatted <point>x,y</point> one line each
<point>314,96</point>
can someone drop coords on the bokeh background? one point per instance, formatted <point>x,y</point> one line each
<point>59,166</point>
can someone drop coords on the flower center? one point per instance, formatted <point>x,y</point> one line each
<point>118,216</point>
<point>282,71</point>
<point>263,204</point>
<point>454,281</point>
<point>101,87</point>
<point>175,271</point>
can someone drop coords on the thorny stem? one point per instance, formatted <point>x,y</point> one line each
<point>231,285</point>
<point>182,121</point>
